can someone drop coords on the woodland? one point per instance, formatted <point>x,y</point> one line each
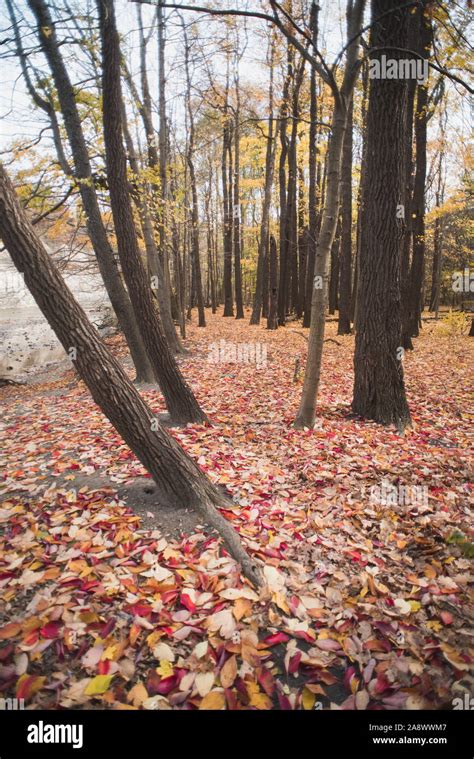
<point>246,486</point>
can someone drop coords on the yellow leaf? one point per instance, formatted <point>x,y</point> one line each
<point>98,685</point>
<point>165,669</point>
<point>415,606</point>
<point>308,699</point>
<point>215,700</point>
<point>256,698</point>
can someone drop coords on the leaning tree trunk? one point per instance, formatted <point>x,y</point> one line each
<point>379,390</point>
<point>180,401</point>
<point>179,480</point>
<point>83,174</point>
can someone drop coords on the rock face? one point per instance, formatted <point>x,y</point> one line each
<point>27,342</point>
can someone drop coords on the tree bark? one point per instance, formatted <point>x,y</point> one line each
<point>414,305</point>
<point>345,272</point>
<point>272,320</point>
<point>227,220</point>
<point>195,252</point>
<point>236,214</point>
<point>283,268</point>
<point>334,273</point>
<point>379,391</point>
<point>312,170</point>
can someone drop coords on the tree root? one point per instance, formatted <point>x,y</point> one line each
<point>208,509</point>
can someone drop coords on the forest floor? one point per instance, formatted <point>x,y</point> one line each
<point>109,601</point>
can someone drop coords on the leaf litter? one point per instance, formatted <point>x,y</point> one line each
<point>366,603</point>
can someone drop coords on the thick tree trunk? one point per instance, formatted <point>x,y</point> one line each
<point>83,173</point>
<point>179,480</point>
<point>180,401</point>
<point>345,254</point>
<point>379,391</point>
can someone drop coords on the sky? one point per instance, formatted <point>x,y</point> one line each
<point>18,119</point>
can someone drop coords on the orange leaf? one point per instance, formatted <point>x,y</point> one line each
<point>10,631</point>
<point>28,685</point>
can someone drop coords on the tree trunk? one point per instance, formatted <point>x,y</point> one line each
<point>272,320</point>
<point>163,165</point>
<point>236,214</point>
<point>179,480</point>
<point>180,401</point>
<point>267,197</point>
<point>438,231</point>
<point>196,261</point>
<point>227,221</point>
<point>414,305</point>
<point>312,190</point>
<point>283,270</point>
<point>158,259</point>
<point>379,391</point>
<point>307,410</point>
<point>83,173</point>
<point>345,257</point>
<point>334,273</point>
